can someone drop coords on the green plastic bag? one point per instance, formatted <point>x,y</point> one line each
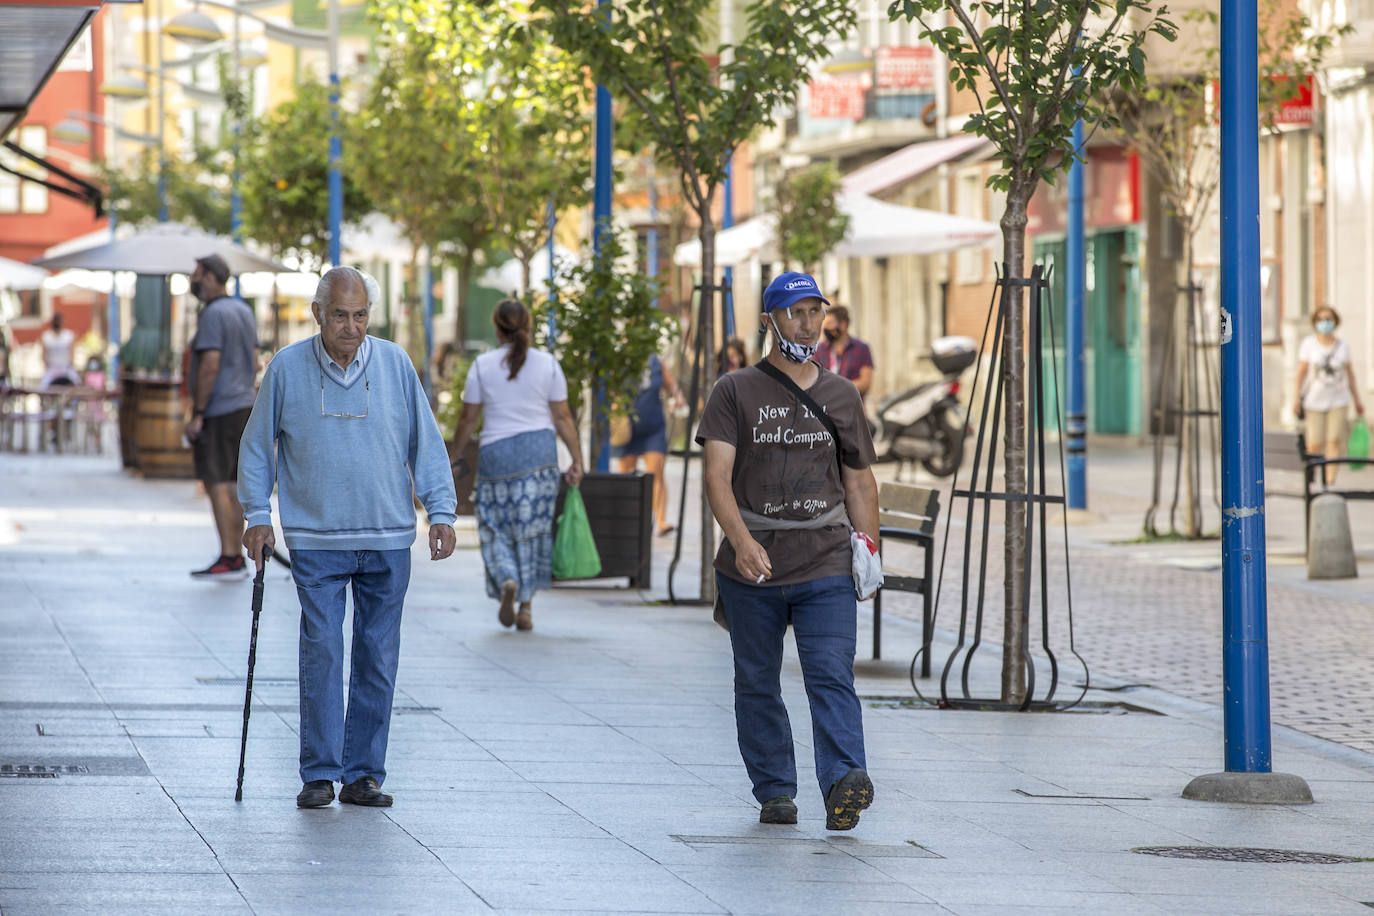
<point>574,550</point>
<point>1358,446</point>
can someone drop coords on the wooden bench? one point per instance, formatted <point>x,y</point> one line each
<point>907,514</point>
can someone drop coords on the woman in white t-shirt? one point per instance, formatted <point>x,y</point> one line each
<point>522,397</point>
<point>1325,388</point>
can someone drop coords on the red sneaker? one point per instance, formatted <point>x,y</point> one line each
<point>224,568</point>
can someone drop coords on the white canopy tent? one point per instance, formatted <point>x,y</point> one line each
<point>876,229</point>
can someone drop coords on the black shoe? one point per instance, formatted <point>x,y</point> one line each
<point>365,792</point>
<point>846,798</point>
<point>780,810</point>
<point>317,793</point>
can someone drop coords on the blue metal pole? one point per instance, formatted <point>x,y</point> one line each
<point>429,320</point>
<point>1075,263</point>
<point>601,220</point>
<point>550,292</point>
<point>335,144</point>
<point>651,258</point>
<point>112,323</point>
<point>1245,657</point>
<point>727,302</point>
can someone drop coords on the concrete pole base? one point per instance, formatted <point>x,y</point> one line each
<point>1250,789</point>
<point>1330,550</point>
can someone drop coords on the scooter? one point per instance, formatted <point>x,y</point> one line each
<point>926,423</point>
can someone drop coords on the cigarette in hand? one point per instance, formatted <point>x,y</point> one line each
<point>759,580</point>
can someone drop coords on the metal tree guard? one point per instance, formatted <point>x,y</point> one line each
<point>1187,375</point>
<point>970,638</point>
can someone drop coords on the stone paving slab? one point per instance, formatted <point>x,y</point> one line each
<point>588,767</point>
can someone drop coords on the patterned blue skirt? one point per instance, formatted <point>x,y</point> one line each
<point>517,486</point>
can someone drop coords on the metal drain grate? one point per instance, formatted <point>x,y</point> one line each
<point>1247,854</point>
<point>38,771</point>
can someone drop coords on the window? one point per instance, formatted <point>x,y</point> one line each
<point>17,196</point>
<point>968,262</point>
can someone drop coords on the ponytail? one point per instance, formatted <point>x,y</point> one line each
<point>512,319</point>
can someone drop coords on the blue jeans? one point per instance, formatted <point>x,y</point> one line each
<point>824,617</point>
<point>335,747</point>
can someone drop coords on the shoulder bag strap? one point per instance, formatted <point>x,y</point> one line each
<point>783,379</point>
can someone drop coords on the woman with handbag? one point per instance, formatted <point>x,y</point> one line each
<point>1325,389</point>
<point>522,396</point>
<point>646,435</point>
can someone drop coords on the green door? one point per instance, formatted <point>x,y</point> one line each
<point>1049,253</point>
<point>1114,332</point>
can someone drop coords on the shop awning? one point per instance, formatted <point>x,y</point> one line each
<point>910,162</point>
<point>876,229</point>
<point>36,36</point>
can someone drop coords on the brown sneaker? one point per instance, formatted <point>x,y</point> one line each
<point>523,620</point>
<point>364,792</point>
<point>508,594</point>
<point>779,810</point>
<point>852,794</point>
<point>317,793</point>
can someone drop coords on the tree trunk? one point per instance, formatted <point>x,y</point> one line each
<point>707,330</point>
<point>1189,425</point>
<point>525,273</point>
<point>415,322</point>
<point>460,314</point>
<point>1014,392</point>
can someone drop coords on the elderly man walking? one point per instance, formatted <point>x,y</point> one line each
<point>344,430</point>
<point>787,473</point>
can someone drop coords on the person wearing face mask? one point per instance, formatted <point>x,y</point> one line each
<point>844,354</point>
<point>222,369</point>
<point>1325,388</point>
<point>785,486</point>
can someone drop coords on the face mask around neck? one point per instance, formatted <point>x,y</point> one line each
<point>793,351</point>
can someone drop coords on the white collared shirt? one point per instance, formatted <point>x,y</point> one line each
<point>355,368</point>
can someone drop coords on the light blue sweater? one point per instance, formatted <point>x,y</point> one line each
<point>345,482</point>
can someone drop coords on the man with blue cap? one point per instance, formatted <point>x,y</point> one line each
<point>788,456</point>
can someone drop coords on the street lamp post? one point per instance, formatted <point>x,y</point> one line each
<point>1245,655</point>
<point>335,145</point>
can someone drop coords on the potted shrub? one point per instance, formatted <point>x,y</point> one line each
<point>608,325</point>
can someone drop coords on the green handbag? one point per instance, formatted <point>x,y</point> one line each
<point>1358,446</point>
<point>574,549</point>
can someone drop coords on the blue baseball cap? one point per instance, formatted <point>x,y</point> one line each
<point>789,288</point>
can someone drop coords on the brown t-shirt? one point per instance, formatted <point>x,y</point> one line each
<point>785,466</point>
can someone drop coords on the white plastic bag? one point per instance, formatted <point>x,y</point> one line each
<point>867,565</point>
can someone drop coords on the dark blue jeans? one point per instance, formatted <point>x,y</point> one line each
<point>334,746</point>
<point>824,617</point>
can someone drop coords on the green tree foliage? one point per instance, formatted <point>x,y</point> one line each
<point>810,221</point>
<point>609,325</point>
<point>537,103</point>
<point>417,141</point>
<point>652,55</point>
<point>1035,67</point>
<point>284,177</point>
<point>197,189</point>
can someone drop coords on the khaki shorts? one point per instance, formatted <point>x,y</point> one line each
<point>1323,426</point>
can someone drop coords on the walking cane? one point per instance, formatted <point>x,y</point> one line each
<point>252,657</point>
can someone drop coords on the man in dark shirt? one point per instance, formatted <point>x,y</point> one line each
<point>223,373</point>
<point>843,354</point>
<point>785,494</point>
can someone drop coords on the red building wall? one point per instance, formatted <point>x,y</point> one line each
<point>25,236</point>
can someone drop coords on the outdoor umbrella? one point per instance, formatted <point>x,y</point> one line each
<point>18,275</point>
<point>876,229</point>
<point>166,248</point>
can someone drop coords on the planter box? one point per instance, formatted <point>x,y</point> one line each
<point>620,509</point>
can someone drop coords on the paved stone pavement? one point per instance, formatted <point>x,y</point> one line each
<point>587,767</point>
